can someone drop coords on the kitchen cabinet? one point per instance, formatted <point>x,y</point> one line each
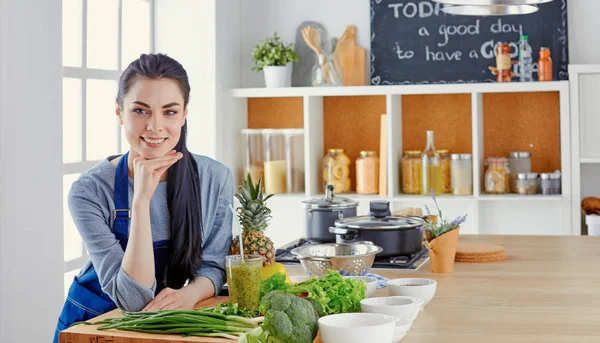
<point>584,80</point>
<point>484,120</point>
<point>540,293</point>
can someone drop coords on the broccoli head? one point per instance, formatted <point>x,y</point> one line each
<point>288,319</point>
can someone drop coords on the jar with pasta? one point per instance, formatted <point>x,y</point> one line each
<point>497,176</point>
<point>367,173</point>
<point>445,163</point>
<point>336,171</point>
<point>411,172</point>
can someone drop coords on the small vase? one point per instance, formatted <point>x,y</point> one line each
<point>442,251</point>
<point>278,76</point>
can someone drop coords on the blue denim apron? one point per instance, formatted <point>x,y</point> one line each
<point>86,299</point>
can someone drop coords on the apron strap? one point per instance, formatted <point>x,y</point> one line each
<point>122,212</point>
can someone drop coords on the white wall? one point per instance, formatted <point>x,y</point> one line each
<point>31,238</point>
<point>583,26</point>
<point>185,30</point>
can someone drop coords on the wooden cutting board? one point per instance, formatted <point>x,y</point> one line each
<point>480,252</point>
<point>89,333</point>
<point>352,58</point>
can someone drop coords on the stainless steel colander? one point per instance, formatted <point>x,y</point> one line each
<point>348,259</point>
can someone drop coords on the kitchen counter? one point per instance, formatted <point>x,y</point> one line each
<point>548,290</point>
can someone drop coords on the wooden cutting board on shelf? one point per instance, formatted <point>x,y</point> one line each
<point>352,58</point>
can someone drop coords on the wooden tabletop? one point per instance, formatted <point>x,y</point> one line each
<point>548,290</point>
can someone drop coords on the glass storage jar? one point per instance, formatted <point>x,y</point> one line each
<point>253,149</point>
<point>446,172</point>
<point>527,183</point>
<point>551,183</point>
<point>367,173</point>
<point>519,162</point>
<point>462,174</point>
<point>275,166</point>
<point>336,171</point>
<point>411,172</point>
<point>496,176</point>
<point>294,155</point>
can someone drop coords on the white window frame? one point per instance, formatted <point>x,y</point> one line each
<point>83,73</point>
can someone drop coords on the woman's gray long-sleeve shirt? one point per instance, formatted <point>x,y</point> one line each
<point>91,202</point>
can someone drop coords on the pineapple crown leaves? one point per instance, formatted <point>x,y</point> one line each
<point>254,215</point>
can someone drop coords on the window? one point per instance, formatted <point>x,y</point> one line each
<point>100,38</point>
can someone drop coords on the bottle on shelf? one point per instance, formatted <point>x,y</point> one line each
<point>412,172</point>
<point>336,171</point>
<point>525,60</point>
<point>545,65</point>
<point>432,168</point>
<point>367,173</point>
<point>445,167</point>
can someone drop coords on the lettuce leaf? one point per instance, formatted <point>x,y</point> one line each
<point>335,293</point>
<point>274,282</point>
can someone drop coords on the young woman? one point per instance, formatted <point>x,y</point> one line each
<point>156,221</point>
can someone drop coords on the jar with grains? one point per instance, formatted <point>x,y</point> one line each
<point>445,163</point>
<point>367,173</point>
<point>527,183</point>
<point>497,175</point>
<point>411,172</point>
<point>462,174</point>
<point>336,171</point>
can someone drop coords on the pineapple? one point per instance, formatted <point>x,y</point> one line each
<point>254,216</point>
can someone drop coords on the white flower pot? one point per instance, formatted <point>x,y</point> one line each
<point>278,76</point>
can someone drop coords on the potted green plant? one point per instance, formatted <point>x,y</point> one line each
<point>441,239</point>
<point>275,57</point>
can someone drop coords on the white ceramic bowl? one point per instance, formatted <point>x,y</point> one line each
<point>298,278</point>
<point>418,288</point>
<point>397,306</point>
<point>357,328</point>
<point>403,324</point>
<point>370,281</point>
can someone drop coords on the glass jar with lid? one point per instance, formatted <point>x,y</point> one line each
<point>462,174</point>
<point>367,173</point>
<point>519,162</point>
<point>527,183</point>
<point>294,155</point>
<point>496,175</point>
<point>275,166</point>
<point>253,149</point>
<point>336,171</point>
<point>411,172</point>
<point>446,170</point>
<point>551,183</point>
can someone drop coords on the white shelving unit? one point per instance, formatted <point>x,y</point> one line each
<point>584,82</point>
<point>495,204</point>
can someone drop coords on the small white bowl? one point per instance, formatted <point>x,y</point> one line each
<point>298,278</point>
<point>370,281</point>
<point>403,324</point>
<point>418,288</point>
<point>397,306</point>
<point>357,328</point>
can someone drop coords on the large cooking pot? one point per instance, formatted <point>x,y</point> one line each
<point>397,235</point>
<point>321,213</point>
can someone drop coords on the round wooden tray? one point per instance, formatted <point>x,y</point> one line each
<point>479,253</point>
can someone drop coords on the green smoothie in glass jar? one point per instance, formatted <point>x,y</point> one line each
<point>243,280</point>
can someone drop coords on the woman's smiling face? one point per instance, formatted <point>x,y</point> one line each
<point>152,115</point>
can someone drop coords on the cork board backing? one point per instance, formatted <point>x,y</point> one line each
<point>275,113</point>
<point>352,123</point>
<point>448,115</point>
<point>523,122</point>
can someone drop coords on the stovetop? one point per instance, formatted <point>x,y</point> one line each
<point>412,262</point>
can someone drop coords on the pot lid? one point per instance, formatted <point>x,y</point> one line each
<point>330,201</point>
<point>369,222</point>
<point>380,218</point>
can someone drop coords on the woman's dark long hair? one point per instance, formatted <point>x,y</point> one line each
<point>183,191</point>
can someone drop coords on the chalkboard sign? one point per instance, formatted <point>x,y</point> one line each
<point>415,42</point>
